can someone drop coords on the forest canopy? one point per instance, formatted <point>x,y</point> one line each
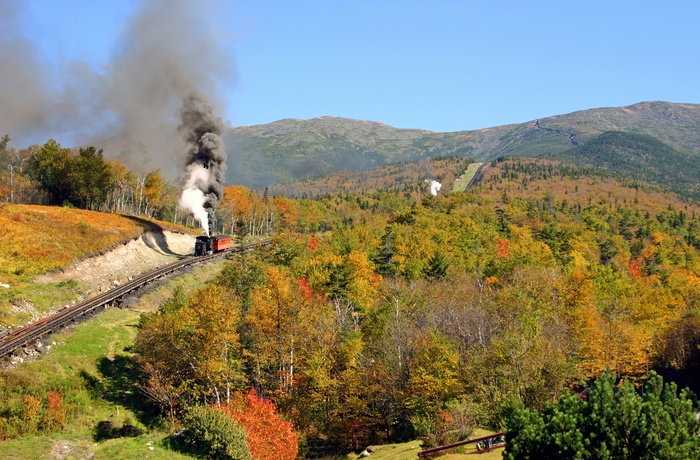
<point>381,317</point>
<point>389,314</point>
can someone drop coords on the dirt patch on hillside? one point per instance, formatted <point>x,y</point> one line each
<point>125,261</point>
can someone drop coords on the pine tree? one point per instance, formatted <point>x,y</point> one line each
<point>614,421</point>
<point>437,266</point>
<point>383,259</point>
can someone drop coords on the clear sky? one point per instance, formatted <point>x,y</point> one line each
<point>442,65</point>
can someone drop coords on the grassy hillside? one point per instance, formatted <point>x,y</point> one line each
<point>286,150</point>
<point>463,180</point>
<point>92,369</point>
<point>39,239</point>
<point>42,238</point>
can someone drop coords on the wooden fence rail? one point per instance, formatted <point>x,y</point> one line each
<point>491,445</point>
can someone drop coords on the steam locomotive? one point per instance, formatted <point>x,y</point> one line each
<point>206,245</point>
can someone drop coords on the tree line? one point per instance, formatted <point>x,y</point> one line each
<point>85,178</point>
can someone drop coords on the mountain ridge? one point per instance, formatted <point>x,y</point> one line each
<point>290,149</point>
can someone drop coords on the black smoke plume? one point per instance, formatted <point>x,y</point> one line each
<point>205,161</point>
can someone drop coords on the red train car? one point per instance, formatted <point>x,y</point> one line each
<point>220,242</point>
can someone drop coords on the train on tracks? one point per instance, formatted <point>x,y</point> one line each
<point>208,245</point>
<point>29,334</point>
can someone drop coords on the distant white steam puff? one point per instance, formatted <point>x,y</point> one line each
<point>435,186</point>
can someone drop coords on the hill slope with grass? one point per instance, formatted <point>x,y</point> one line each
<point>92,370</point>
<point>53,255</point>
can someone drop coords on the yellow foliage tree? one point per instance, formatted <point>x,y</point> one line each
<point>240,205</point>
<point>194,341</point>
<point>585,326</point>
<point>280,318</point>
<point>212,319</point>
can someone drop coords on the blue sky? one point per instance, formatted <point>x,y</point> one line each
<point>440,65</point>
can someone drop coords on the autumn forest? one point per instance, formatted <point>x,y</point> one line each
<point>381,313</point>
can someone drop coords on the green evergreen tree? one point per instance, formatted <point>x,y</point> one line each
<point>503,224</point>
<point>615,422</point>
<point>437,266</point>
<point>383,259</point>
<point>608,251</point>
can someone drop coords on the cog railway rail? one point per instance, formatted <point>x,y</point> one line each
<point>29,334</point>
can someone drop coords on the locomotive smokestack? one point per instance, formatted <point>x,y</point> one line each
<point>205,161</point>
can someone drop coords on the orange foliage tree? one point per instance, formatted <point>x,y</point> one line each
<point>503,246</point>
<point>286,212</point>
<point>269,437</point>
<point>239,207</point>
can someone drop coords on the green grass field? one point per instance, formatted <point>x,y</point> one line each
<point>90,366</point>
<point>462,181</point>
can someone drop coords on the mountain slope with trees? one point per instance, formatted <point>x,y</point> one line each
<point>641,157</point>
<point>406,316</point>
<point>264,155</point>
<point>380,312</point>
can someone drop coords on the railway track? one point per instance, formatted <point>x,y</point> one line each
<point>71,315</point>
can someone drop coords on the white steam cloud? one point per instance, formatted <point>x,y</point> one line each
<point>193,198</point>
<point>435,186</point>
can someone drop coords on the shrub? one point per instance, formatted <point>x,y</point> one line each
<point>83,228</point>
<point>213,433</point>
<point>55,416</point>
<point>269,437</point>
<point>107,430</point>
<point>31,412</point>
<point>461,417</point>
